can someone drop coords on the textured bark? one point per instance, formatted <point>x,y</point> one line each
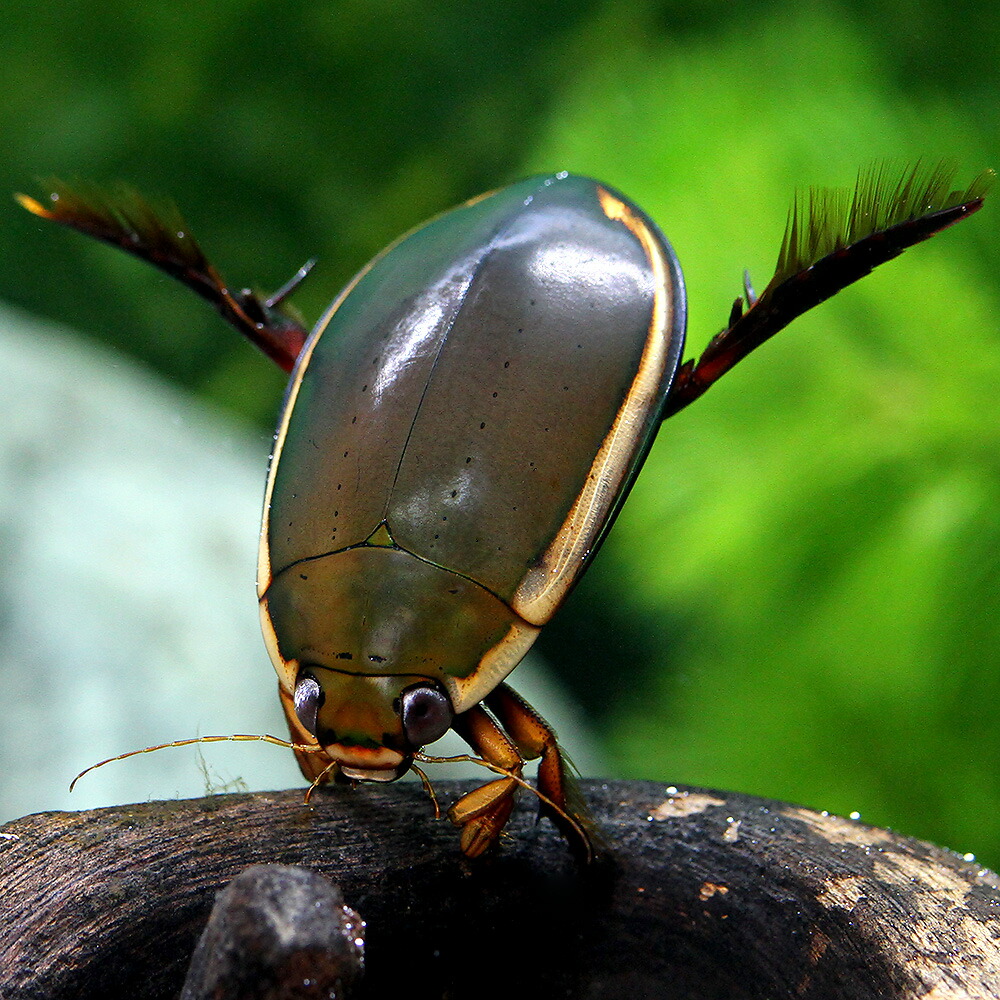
<point>703,894</point>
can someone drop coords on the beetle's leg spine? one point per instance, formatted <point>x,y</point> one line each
<point>276,298</point>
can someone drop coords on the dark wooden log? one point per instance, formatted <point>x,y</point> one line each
<point>705,894</point>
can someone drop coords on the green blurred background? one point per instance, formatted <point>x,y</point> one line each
<point>801,598</point>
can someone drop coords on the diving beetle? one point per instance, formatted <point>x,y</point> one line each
<point>458,434</point>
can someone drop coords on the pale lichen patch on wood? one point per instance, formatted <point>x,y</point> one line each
<point>952,991</point>
<point>683,804</point>
<point>838,830</point>
<point>946,937</point>
<point>845,892</point>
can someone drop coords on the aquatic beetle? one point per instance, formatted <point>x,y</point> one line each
<point>458,434</point>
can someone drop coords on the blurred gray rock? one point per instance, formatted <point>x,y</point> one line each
<point>128,532</point>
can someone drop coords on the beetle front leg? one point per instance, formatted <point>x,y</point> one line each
<point>484,812</point>
<point>517,734</point>
<point>535,738</point>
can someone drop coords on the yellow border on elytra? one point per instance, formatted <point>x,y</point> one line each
<point>545,585</point>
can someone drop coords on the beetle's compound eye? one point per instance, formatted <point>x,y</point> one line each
<point>426,713</point>
<point>308,698</point>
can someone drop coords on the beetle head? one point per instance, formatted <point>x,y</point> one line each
<point>370,725</point>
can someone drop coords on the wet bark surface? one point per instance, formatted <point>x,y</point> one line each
<point>701,894</point>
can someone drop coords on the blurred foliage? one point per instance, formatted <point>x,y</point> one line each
<point>802,598</point>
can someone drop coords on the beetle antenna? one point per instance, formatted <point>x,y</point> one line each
<point>238,738</point>
<point>466,758</point>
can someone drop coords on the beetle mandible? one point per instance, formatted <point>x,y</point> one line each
<point>458,433</point>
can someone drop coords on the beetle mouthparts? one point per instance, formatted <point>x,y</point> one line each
<point>374,774</point>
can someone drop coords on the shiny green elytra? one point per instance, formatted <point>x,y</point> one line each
<point>458,434</point>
